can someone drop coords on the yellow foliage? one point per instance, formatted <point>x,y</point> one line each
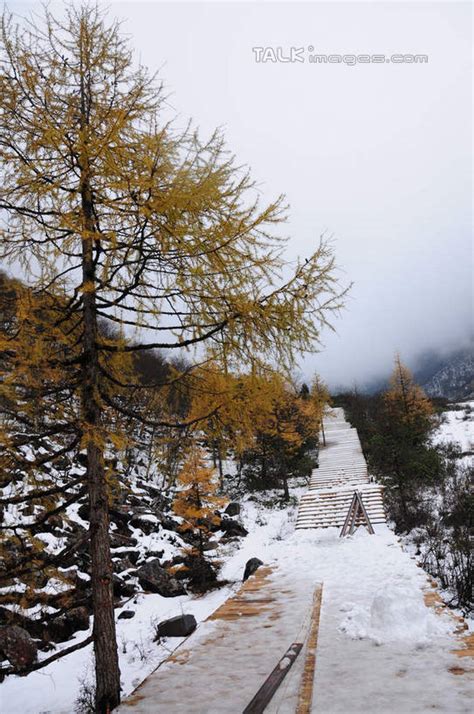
<point>405,399</point>
<point>196,500</point>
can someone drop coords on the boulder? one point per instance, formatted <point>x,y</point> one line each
<point>160,501</point>
<point>152,576</point>
<point>122,541</point>
<point>83,511</point>
<point>122,564</point>
<point>233,528</point>
<point>180,626</point>
<point>121,588</point>
<point>79,618</point>
<point>126,615</point>
<point>233,509</point>
<point>17,646</point>
<point>147,524</point>
<point>199,573</point>
<point>251,566</point>
<point>168,523</point>
<point>210,545</point>
<point>62,628</point>
<point>119,517</point>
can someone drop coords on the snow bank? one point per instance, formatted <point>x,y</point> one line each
<point>397,613</point>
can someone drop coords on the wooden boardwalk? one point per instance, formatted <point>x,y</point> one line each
<point>220,668</point>
<point>342,470</point>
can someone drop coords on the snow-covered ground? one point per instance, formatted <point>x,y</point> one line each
<point>54,689</point>
<point>380,650</point>
<point>458,426</point>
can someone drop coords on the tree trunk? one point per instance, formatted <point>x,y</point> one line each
<point>219,462</point>
<point>105,641</point>
<point>286,493</point>
<point>322,432</point>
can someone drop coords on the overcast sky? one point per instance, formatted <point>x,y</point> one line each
<point>380,155</point>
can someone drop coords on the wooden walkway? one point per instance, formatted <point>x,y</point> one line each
<point>342,470</point>
<point>220,668</point>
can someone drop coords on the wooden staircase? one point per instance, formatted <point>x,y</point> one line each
<point>342,470</point>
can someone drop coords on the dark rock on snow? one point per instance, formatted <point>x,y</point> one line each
<point>126,615</point>
<point>180,626</point>
<point>122,588</point>
<point>251,566</point>
<point>122,541</point>
<point>83,511</point>
<point>121,518</point>
<point>144,524</point>
<point>17,646</point>
<point>233,509</point>
<point>233,528</point>
<point>152,576</point>
<point>62,628</point>
<point>120,565</point>
<point>197,571</point>
<point>210,545</point>
<point>168,523</point>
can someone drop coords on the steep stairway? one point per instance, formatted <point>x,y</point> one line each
<point>342,470</point>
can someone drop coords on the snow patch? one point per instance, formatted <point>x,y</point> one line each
<point>397,613</point>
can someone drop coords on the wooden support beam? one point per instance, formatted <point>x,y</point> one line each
<point>273,681</point>
<point>356,516</point>
<point>305,695</point>
<point>366,516</point>
<point>348,517</point>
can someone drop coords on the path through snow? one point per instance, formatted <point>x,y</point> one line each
<point>380,649</point>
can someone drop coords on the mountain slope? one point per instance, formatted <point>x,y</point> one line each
<point>454,380</point>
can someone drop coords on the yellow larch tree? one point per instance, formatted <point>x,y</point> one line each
<point>197,499</point>
<point>120,219</point>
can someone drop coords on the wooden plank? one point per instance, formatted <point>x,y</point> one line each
<point>305,694</point>
<point>349,514</point>
<point>273,681</point>
<point>361,504</point>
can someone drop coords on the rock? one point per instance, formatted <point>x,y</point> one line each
<point>119,517</point>
<point>62,628</point>
<point>210,545</point>
<point>233,509</point>
<point>83,511</point>
<point>147,525</point>
<point>160,501</point>
<point>152,576</point>
<point>126,615</point>
<point>121,588</point>
<point>122,541</point>
<point>199,574</point>
<point>251,566</point>
<point>233,528</point>
<point>180,626</point>
<point>168,523</point>
<point>79,618</point>
<point>122,564</point>
<point>17,646</point>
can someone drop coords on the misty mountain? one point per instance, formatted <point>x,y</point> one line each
<point>454,379</point>
<point>441,374</point>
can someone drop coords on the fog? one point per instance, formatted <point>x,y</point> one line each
<point>377,155</point>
